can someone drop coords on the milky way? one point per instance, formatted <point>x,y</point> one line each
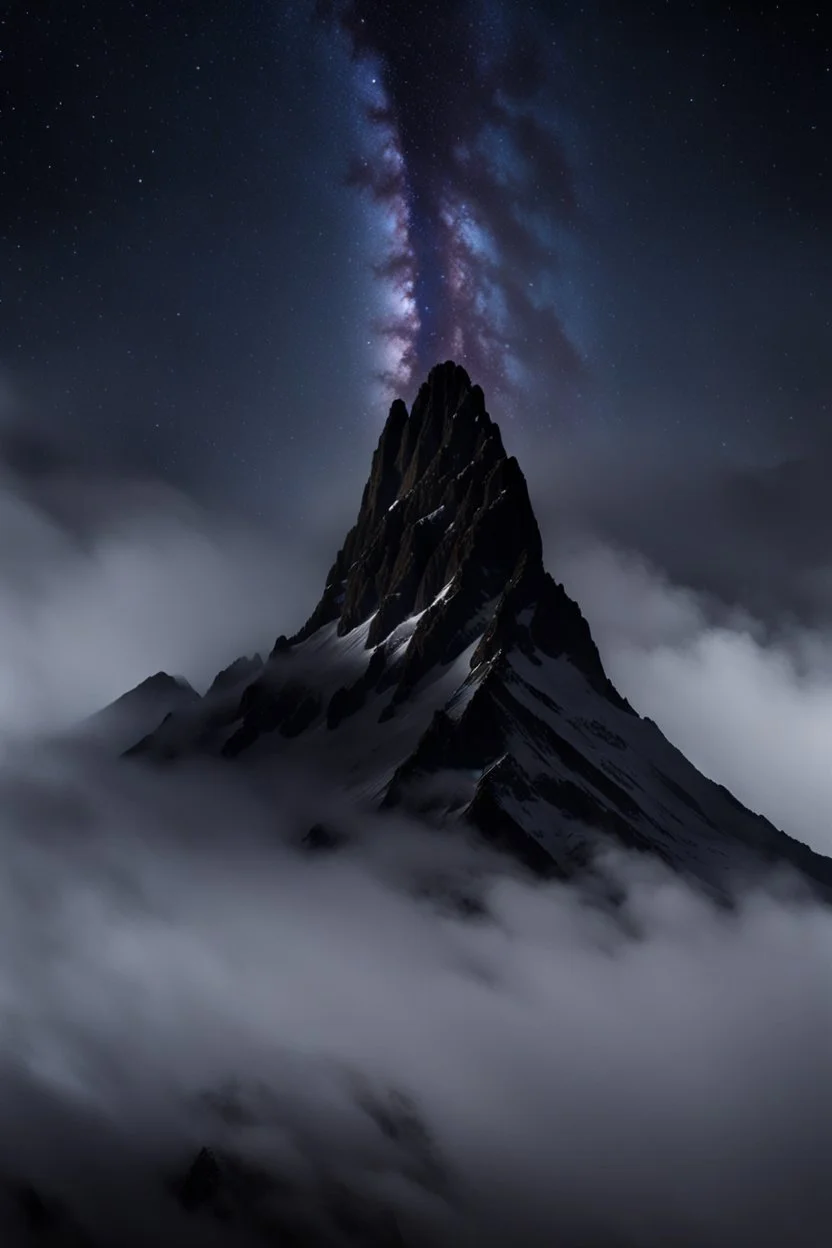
<point>467,168</point>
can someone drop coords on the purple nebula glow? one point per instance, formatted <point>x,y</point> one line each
<point>457,160</point>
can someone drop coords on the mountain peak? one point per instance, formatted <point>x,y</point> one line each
<point>444,507</point>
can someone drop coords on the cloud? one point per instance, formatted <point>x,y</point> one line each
<point>752,535</point>
<point>751,707</point>
<point>176,974</point>
<point>105,581</point>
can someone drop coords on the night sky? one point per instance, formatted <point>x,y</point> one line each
<point>231,231</point>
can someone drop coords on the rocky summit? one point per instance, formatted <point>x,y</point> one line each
<point>445,670</point>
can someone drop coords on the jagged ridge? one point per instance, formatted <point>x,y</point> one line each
<point>446,511</point>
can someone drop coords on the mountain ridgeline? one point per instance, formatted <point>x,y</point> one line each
<point>445,671</point>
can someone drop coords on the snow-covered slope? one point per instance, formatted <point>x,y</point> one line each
<point>445,670</point>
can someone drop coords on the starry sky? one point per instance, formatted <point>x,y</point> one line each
<point>229,232</point>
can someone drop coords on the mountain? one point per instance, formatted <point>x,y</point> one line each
<point>445,671</point>
<point>140,709</point>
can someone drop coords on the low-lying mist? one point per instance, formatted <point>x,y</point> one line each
<point>405,1037</point>
<point>408,1019</point>
<point>104,582</point>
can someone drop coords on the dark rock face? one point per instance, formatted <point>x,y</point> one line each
<point>289,708</point>
<point>442,499</point>
<point>348,699</point>
<point>446,511</point>
<point>281,646</point>
<point>487,813</point>
<point>555,628</point>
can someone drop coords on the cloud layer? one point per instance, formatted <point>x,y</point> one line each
<point>103,582</point>
<point>176,974</point>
